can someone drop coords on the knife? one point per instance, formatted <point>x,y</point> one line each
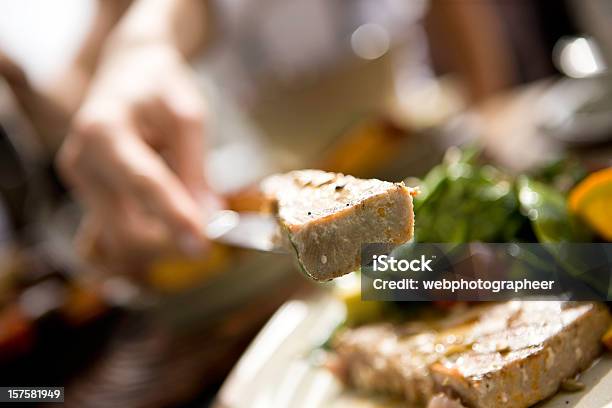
<point>250,230</point>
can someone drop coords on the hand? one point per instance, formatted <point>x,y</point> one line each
<point>134,157</point>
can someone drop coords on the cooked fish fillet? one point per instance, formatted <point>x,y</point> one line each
<point>526,362</point>
<point>512,354</point>
<point>328,216</point>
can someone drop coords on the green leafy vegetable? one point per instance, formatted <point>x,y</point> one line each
<point>462,201</point>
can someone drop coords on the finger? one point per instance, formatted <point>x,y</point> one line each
<point>191,113</point>
<point>112,225</point>
<point>117,235</point>
<point>154,123</point>
<point>133,240</point>
<point>133,169</point>
<point>84,189</point>
<point>178,133</point>
<point>87,239</point>
<point>119,248</point>
<point>187,152</point>
<point>179,137</point>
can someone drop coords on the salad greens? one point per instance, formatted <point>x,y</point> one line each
<point>463,200</point>
<point>466,201</point>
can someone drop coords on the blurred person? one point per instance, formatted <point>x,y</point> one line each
<point>135,153</point>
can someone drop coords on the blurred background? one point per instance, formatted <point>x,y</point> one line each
<point>372,88</point>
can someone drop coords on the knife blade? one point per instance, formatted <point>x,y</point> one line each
<point>248,230</point>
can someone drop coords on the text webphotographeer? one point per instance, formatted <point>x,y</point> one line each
<point>494,286</point>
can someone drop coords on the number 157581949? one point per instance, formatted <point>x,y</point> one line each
<point>31,394</point>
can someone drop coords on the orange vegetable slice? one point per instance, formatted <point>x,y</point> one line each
<point>591,199</point>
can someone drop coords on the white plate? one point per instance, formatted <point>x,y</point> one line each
<point>279,369</point>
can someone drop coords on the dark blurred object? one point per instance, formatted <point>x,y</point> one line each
<point>52,322</point>
<point>576,110</point>
<point>13,179</point>
<point>150,364</point>
<point>46,319</point>
<point>480,54</point>
<point>480,41</point>
<point>29,186</point>
<point>56,351</point>
<point>554,19</point>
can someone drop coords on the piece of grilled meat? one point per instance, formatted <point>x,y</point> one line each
<point>510,354</point>
<point>328,216</point>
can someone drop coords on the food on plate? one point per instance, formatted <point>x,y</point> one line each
<point>510,354</point>
<point>326,217</point>
<point>591,199</point>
